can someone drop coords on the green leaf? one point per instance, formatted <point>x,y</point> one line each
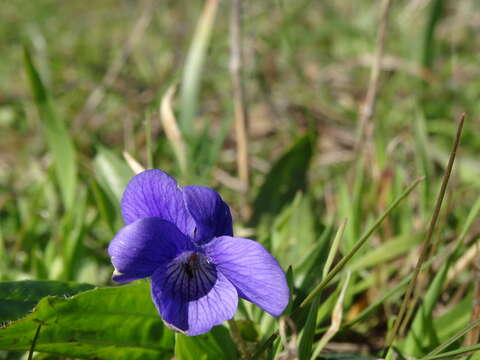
<point>248,330</point>
<point>422,336</point>
<point>315,260</point>
<point>73,230</point>
<point>18,298</point>
<point>287,176</point>
<point>193,69</point>
<point>434,16</point>
<point>387,251</point>
<point>58,139</point>
<point>333,356</point>
<point>112,172</point>
<point>455,319</point>
<point>306,341</point>
<point>423,161</point>
<point>293,231</point>
<point>103,323</point>
<point>106,209</point>
<point>291,288</point>
<point>214,345</point>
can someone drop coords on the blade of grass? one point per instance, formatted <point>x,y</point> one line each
<point>432,354</point>
<point>396,289</point>
<point>291,287</point>
<point>334,248</point>
<point>148,137</point>
<point>470,254</point>
<point>336,320</point>
<point>426,244</point>
<point>193,68</point>
<point>423,159</point>
<point>104,205</point>
<point>112,172</point>
<point>422,334</point>
<point>342,263</point>
<point>306,339</point>
<point>378,302</point>
<point>136,167</point>
<point>239,97</point>
<point>359,244</point>
<point>58,139</point>
<point>172,131</point>
<point>365,133</point>
<point>455,353</point>
<point>428,49</point>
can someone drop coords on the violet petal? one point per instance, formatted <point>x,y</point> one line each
<point>142,246</point>
<point>154,193</point>
<point>252,270</point>
<point>211,214</point>
<point>193,304</point>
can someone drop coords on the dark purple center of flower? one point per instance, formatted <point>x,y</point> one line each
<point>190,276</point>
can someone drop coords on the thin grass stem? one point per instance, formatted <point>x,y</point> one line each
<point>432,354</point>
<point>426,243</point>
<point>34,342</point>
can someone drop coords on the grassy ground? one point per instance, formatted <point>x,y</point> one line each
<point>306,74</point>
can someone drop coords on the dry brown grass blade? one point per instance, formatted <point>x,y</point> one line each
<point>133,163</point>
<point>337,316</point>
<point>240,104</point>
<point>466,259</point>
<point>366,126</point>
<point>172,130</point>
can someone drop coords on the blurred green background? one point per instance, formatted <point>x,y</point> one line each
<point>81,82</point>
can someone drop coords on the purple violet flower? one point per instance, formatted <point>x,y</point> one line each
<point>183,239</point>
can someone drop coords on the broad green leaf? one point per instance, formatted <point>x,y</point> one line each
<point>18,298</point>
<point>58,139</point>
<point>112,172</point>
<point>287,176</point>
<point>102,323</point>
<point>214,345</point>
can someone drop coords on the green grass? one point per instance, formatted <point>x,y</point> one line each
<point>306,75</point>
